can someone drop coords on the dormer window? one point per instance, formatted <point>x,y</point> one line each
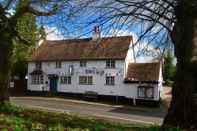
<point>58,64</point>
<point>83,63</point>
<point>110,64</point>
<point>38,65</point>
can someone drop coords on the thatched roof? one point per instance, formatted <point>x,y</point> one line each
<point>80,49</point>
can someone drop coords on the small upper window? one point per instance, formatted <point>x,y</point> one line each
<point>38,65</point>
<point>58,64</point>
<point>83,63</point>
<point>110,64</point>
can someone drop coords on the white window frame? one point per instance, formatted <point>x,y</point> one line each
<point>146,92</point>
<point>110,64</point>
<point>66,80</point>
<point>38,65</point>
<point>37,79</point>
<point>83,63</point>
<point>58,64</point>
<point>110,80</point>
<point>85,80</point>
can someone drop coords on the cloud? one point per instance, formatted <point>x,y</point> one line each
<point>10,12</point>
<point>53,33</point>
<point>117,32</point>
<point>150,52</point>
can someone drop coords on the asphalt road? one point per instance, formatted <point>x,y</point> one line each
<point>117,113</point>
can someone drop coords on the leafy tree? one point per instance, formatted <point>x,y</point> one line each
<point>26,27</point>
<point>11,11</point>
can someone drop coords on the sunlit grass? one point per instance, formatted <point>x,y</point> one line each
<point>19,119</point>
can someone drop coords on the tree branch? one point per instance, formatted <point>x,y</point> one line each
<point>40,13</point>
<point>8,4</point>
<point>21,39</point>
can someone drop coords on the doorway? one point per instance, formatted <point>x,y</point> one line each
<point>53,82</point>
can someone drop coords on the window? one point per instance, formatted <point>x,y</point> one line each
<point>58,64</point>
<point>85,80</point>
<point>83,63</point>
<point>110,64</point>
<point>145,92</point>
<point>110,80</point>
<point>38,65</point>
<point>37,79</point>
<point>65,79</point>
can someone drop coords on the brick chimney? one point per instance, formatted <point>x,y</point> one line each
<point>39,42</point>
<point>96,33</point>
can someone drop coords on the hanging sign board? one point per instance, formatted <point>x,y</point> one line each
<point>11,84</point>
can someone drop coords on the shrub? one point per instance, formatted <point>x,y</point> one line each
<point>169,83</point>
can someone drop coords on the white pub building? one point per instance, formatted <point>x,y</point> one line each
<point>101,66</point>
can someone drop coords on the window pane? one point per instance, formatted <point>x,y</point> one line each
<point>69,80</point>
<point>110,64</point>
<point>146,92</point>
<point>110,80</point>
<point>85,80</point>
<point>90,80</point>
<point>41,79</point>
<point>65,80</point>
<point>37,79</point>
<point>107,80</point>
<point>141,92</point>
<point>81,80</point>
<point>38,65</point>
<point>58,64</point>
<point>32,79</point>
<point>149,92</point>
<point>62,80</point>
<point>83,63</point>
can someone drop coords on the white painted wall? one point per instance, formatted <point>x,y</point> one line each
<point>120,88</point>
<point>129,58</point>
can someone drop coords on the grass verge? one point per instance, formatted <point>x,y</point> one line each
<point>14,118</point>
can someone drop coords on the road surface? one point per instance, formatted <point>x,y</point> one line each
<point>117,113</point>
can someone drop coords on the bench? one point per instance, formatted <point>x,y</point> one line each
<point>90,95</point>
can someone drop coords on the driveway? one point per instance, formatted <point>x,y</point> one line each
<point>117,113</point>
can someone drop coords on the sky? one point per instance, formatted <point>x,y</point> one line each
<point>80,25</point>
<point>62,26</point>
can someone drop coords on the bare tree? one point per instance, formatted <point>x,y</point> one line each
<point>167,21</point>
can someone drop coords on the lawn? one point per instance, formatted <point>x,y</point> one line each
<point>14,118</point>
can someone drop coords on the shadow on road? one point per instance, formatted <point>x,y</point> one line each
<point>153,112</point>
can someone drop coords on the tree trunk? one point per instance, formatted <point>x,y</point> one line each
<point>183,108</point>
<point>5,65</point>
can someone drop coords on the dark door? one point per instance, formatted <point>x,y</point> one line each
<point>53,84</point>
